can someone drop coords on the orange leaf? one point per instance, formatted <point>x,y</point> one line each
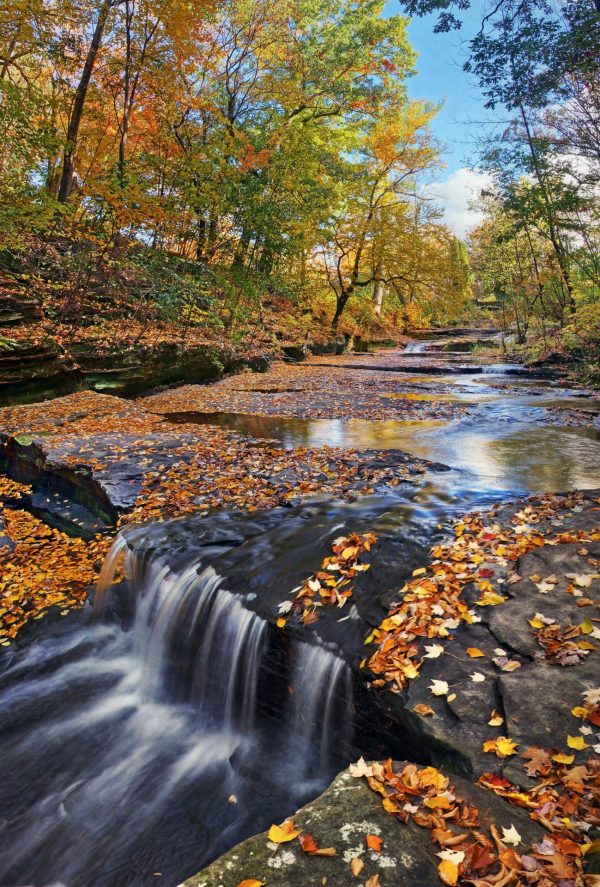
<point>374,842</point>
<point>308,843</point>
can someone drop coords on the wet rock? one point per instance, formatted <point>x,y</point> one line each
<point>341,818</point>
<point>534,695</point>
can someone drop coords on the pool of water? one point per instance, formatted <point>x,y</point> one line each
<point>504,443</point>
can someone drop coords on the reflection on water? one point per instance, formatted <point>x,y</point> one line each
<point>502,445</point>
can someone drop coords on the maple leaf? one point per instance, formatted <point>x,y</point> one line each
<point>591,698</point>
<point>577,742</point>
<point>433,651</point>
<point>477,677</point>
<point>511,836</point>
<point>536,760</point>
<point>280,834</point>
<point>502,746</point>
<point>361,768</point>
<point>439,688</point>
<point>562,758</point>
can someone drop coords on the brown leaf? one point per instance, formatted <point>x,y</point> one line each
<point>356,866</point>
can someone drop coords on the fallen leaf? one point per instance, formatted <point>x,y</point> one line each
<point>356,866</point>
<point>374,842</point>
<point>373,881</point>
<point>477,677</point>
<point>448,872</point>
<point>423,710</point>
<point>473,652</point>
<point>361,768</point>
<point>562,758</point>
<point>433,651</point>
<point>308,843</point>
<point>511,836</point>
<point>577,742</point>
<point>251,882</point>
<point>279,834</point>
<point>495,720</point>
<point>439,688</point>
<point>455,856</point>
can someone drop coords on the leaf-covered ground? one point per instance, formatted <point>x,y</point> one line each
<point>151,469</point>
<point>317,391</point>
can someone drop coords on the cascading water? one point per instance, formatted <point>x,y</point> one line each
<point>143,744</point>
<point>321,705</point>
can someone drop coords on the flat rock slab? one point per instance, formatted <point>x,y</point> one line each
<point>536,698</point>
<point>341,818</point>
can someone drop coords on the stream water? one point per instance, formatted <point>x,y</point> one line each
<point>137,746</point>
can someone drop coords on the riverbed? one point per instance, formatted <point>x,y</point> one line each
<point>143,737</point>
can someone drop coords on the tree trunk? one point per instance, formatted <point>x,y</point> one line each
<point>378,293</point>
<point>341,302</point>
<point>68,169</point>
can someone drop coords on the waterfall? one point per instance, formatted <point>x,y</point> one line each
<point>415,347</point>
<point>194,639</point>
<point>174,724</point>
<point>321,702</point>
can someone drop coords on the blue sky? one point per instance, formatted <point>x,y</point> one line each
<point>463,116</point>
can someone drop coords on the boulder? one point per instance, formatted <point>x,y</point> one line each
<point>341,818</point>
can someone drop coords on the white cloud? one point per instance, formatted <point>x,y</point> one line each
<point>455,196</point>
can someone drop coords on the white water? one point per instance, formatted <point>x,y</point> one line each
<point>130,741</point>
<point>321,703</point>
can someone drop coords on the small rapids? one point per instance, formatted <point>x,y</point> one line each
<point>151,739</point>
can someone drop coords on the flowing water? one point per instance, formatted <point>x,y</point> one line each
<point>141,740</point>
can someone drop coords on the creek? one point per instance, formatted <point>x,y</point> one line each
<point>144,736</point>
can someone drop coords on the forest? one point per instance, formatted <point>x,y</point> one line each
<point>239,169</point>
<point>299,443</point>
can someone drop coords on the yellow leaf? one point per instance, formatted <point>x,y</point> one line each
<point>490,599</point>
<point>279,834</point>
<point>577,742</point>
<point>562,758</point>
<point>448,872</point>
<point>474,653</point>
<point>251,882</point>
<point>281,622</point>
<point>593,847</point>
<point>440,802</point>
<point>391,806</point>
<point>409,670</point>
<point>505,747</point>
<point>536,623</point>
<point>579,712</point>
<point>585,645</point>
<point>419,572</point>
<point>587,626</point>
